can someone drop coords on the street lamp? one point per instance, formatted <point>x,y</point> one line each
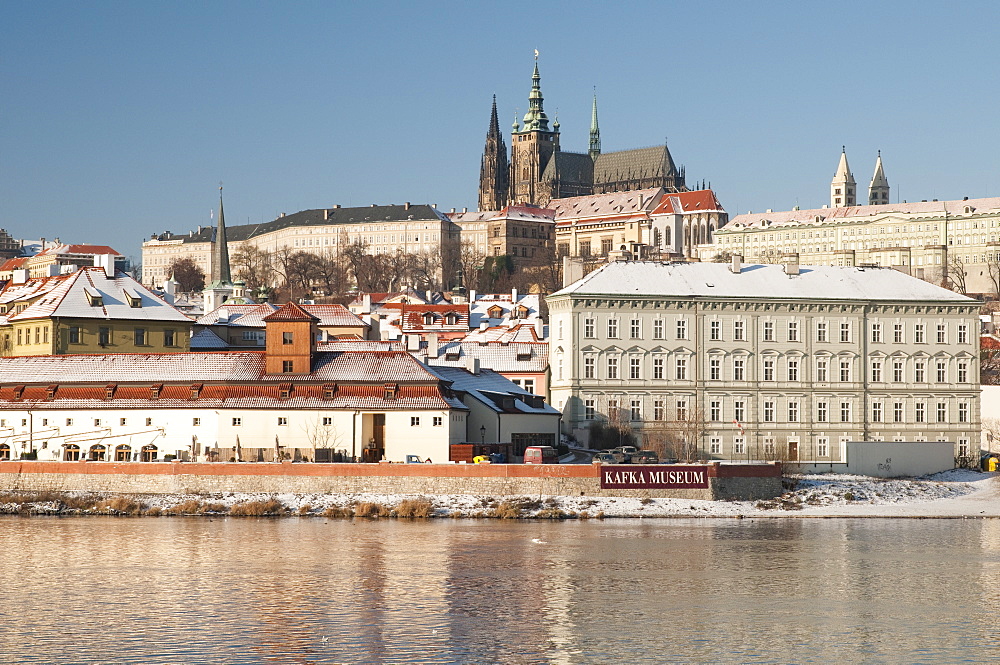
<point>482,434</point>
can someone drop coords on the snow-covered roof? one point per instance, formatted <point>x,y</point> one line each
<point>716,280</point>
<point>206,340</point>
<point>502,304</point>
<point>532,357</point>
<point>490,388</point>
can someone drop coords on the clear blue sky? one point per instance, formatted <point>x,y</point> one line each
<point>119,119</point>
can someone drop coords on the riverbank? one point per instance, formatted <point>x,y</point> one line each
<point>952,494</point>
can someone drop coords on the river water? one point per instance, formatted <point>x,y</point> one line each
<point>311,590</point>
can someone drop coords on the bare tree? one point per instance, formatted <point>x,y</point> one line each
<point>956,274</point>
<point>321,435</point>
<point>187,274</point>
<point>993,270</point>
<point>253,267</point>
<point>991,428</point>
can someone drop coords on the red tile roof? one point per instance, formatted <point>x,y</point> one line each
<point>290,311</point>
<point>79,249</point>
<point>675,204</point>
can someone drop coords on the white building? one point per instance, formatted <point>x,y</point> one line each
<point>773,361</point>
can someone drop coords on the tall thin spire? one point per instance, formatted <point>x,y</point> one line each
<point>220,264</point>
<point>595,132</point>
<point>878,189</point>
<point>494,172</point>
<point>842,188</point>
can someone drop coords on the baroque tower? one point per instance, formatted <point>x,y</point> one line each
<point>842,189</point>
<point>532,145</point>
<point>494,174</point>
<point>878,190</point>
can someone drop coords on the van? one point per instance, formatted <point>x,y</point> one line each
<point>540,455</point>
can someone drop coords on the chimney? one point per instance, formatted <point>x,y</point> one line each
<point>539,328</point>
<point>366,303</point>
<point>413,342</point>
<point>453,211</point>
<point>472,364</point>
<point>513,295</point>
<point>472,295</point>
<point>169,291</point>
<point>572,270</point>
<point>326,215</point>
<point>791,264</point>
<point>465,210</point>
<point>20,276</point>
<point>429,297</point>
<point>483,325</point>
<point>737,266</point>
<point>280,215</point>
<point>432,345</point>
<point>336,206</point>
<point>406,206</point>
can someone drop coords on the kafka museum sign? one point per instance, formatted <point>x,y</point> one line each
<point>621,477</point>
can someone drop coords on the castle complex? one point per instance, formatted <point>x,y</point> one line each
<point>538,171</point>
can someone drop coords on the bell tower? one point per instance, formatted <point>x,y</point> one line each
<point>843,188</point>
<point>878,190</point>
<point>532,145</point>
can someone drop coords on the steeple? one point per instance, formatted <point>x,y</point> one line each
<point>535,118</point>
<point>220,253</point>
<point>842,189</point>
<point>595,133</point>
<point>878,190</point>
<point>494,173</point>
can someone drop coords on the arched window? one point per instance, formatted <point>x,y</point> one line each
<point>4,451</point>
<point>123,453</point>
<point>71,453</point>
<point>98,453</point>
<point>148,453</point>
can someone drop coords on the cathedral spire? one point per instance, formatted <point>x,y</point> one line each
<point>494,172</point>
<point>843,186</point>
<point>535,119</point>
<point>878,190</point>
<point>595,133</point>
<point>220,253</point>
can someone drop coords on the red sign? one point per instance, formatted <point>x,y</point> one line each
<point>628,477</point>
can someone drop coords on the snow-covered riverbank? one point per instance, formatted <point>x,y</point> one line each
<point>957,493</point>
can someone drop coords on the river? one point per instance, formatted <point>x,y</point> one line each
<point>310,590</point>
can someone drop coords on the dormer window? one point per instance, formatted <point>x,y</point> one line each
<point>109,390</point>
<point>50,392</point>
<point>524,353</point>
<point>285,390</point>
<point>18,391</point>
<point>155,390</point>
<point>132,298</point>
<point>495,312</point>
<point>94,297</point>
<point>329,390</point>
<point>451,319</point>
<point>520,312</point>
<point>451,355</point>
<point>428,319</point>
<point>390,391</point>
<point>195,391</point>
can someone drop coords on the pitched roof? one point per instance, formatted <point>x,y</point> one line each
<point>569,168</point>
<point>639,163</point>
<point>490,388</point>
<point>697,201</point>
<point>206,340</point>
<point>606,205</point>
<point>716,280</point>
<point>530,357</point>
<point>290,311</point>
<point>412,317</point>
<point>78,249</point>
<point>334,315</point>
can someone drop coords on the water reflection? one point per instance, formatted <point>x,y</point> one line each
<point>177,590</point>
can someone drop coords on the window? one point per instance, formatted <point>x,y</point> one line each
<point>414,421</point>
<point>769,369</point>
<point>822,446</point>
<point>612,367</point>
<point>941,333</point>
<point>918,333</point>
<point>897,333</point>
<point>287,366</point>
<point>845,332</point>
<point>942,412</point>
<point>97,422</point>
<point>121,422</point>
<point>588,409</point>
<point>681,369</point>
<point>196,422</point>
<point>738,331</point>
<point>768,412</point>
<point>682,409</point>
<point>920,412</point>
<point>635,410</point>
<point>103,336</point>
<point>287,337</point>
<point>715,411</point>
<point>588,367</point>
<point>715,330</point>
<point>918,371</point>
<point>327,421</point>
<point>963,372</point>
<point>613,328</point>
<point>897,412</point>
<point>659,410</point>
<point>876,412</point>
<point>69,422</point>
<point>821,331</point>
<point>845,412</point>
<point>149,422</point>
<point>963,333</point>
<point>714,369</point>
<point>822,412</point>
<point>793,412</point>
<point>237,422</point>
<point>845,369</point>
<point>963,412</point>
<point>942,371</point>
<point>715,446</point>
<point>528,385</point>
<point>282,421</point>
<point>168,337</point>
<point>437,421</point>
<point>634,365</point>
<point>877,371</point>
<point>74,334</point>
<point>739,410</point>
<point>739,445</point>
<point>821,370</point>
<point>635,329</point>
<point>139,335</point>
<point>657,328</point>
<point>589,328</point>
<point>793,370</point>
<point>769,445</point>
<point>897,371</point>
<point>682,328</point>
<point>963,447</point>
<point>876,333</point>
<point>739,369</point>
<point>769,331</point>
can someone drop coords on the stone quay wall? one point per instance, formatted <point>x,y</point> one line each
<point>726,482</point>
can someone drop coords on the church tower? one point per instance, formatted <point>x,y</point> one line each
<point>532,145</point>
<point>220,250</point>
<point>842,189</point>
<point>494,174</point>
<point>878,190</point>
<point>595,133</point>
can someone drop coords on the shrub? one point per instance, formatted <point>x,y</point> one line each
<point>336,512</point>
<point>155,511</point>
<point>189,507</point>
<point>508,510</point>
<point>257,508</point>
<point>371,510</point>
<point>120,505</point>
<point>848,496</point>
<point>417,508</point>
<point>305,510</point>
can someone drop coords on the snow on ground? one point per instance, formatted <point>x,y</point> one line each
<point>956,493</point>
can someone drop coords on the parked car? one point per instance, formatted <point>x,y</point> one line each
<point>645,457</point>
<point>540,455</point>
<point>607,458</point>
<point>617,454</point>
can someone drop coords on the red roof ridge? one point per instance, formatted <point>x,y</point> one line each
<point>290,311</point>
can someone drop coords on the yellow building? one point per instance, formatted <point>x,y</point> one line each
<point>88,312</point>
